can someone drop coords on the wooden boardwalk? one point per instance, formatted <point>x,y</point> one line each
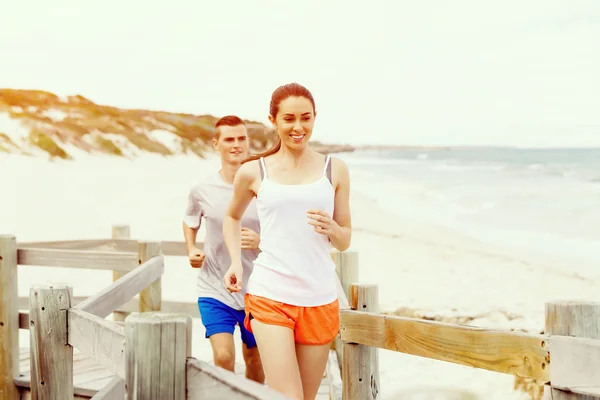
<point>89,377</point>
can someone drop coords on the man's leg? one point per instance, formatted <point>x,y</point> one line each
<point>254,367</point>
<point>223,350</point>
<point>220,325</point>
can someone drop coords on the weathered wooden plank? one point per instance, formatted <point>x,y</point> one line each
<point>157,346</point>
<point>99,339</point>
<point>168,247</point>
<point>207,382</point>
<point>120,232</point>
<point>151,297</point>
<point>77,259</point>
<point>347,270</point>
<point>120,292</point>
<point>342,299</point>
<point>575,362</point>
<point>168,306</point>
<point>9,318</point>
<point>51,357</point>
<point>508,352</point>
<point>85,244</point>
<point>361,363</point>
<point>88,376</point>
<point>581,320</point>
<point>115,390</point>
<point>172,307</point>
<point>26,395</point>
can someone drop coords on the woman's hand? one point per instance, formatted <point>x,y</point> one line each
<point>322,223</point>
<point>233,279</point>
<point>250,239</point>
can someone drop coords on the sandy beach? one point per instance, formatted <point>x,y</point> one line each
<point>417,265</point>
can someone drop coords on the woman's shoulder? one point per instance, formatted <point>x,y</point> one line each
<point>249,168</point>
<point>337,164</point>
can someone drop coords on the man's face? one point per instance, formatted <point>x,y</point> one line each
<point>233,143</point>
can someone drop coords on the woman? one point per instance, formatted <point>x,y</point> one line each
<point>302,199</point>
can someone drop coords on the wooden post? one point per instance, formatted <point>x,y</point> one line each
<point>151,297</point>
<point>346,267</point>
<point>360,370</point>
<point>120,232</point>
<point>157,347</point>
<point>579,319</point>
<point>9,318</point>
<point>51,356</point>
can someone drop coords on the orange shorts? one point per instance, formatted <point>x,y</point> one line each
<point>311,325</point>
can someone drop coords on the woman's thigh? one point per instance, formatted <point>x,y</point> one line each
<point>278,356</point>
<point>312,361</point>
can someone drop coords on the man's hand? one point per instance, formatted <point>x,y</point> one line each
<point>250,239</point>
<point>196,257</point>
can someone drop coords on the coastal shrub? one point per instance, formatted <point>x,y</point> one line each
<point>46,143</point>
<point>5,138</point>
<point>72,125</point>
<point>142,142</point>
<point>6,143</point>
<point>107,146</point>
<point>194,146</point>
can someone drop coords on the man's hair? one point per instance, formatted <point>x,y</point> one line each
<point>228,120</point>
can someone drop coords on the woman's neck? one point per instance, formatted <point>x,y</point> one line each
<point>297,158</point>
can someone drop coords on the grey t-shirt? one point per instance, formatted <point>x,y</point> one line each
<point>209,199</point>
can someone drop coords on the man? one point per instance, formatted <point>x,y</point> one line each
<point>221,310</point>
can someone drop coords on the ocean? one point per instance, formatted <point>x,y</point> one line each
<point>540,204</point>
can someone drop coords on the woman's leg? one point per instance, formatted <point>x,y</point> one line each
<point>278,353</point>
<point>312,360</point>
<point>316,328</point>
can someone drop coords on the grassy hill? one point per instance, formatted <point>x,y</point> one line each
<point>38,123</point>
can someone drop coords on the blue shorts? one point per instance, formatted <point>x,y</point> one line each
<point>220,318</point>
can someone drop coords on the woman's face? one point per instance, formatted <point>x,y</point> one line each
<point>294,121</point>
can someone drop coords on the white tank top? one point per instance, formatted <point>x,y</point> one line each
<point>295,265</point>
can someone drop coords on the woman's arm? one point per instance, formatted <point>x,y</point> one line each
<point>339,227</point>
<point>341,237</point>
<point>242,196</point>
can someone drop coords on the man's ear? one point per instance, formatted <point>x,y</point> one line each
<point>215,142</point>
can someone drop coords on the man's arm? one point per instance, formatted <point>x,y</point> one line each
<point>190,237</point>
<point>191,225</point>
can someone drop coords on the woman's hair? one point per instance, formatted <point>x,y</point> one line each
<point>280,94</point>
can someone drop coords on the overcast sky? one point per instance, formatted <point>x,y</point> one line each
<point>511,72</point>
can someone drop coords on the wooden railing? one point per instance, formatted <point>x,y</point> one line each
<point>149,352</point>
<point>566,358</point>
